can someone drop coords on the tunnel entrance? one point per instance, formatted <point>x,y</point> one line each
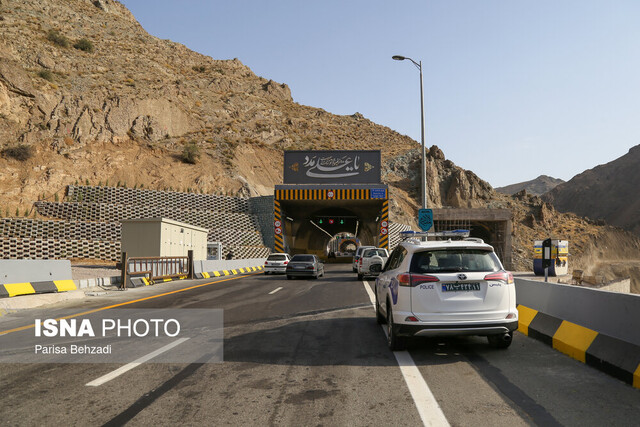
<point>342,245</point>
<point>310,219</point>
<point>494,226</point>
<point>326,194</point>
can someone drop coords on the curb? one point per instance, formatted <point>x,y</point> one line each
<point>53,286</point>
<point>207,275</point>
<point>137,282</point>
<point>30,288</point>
<point>610,355</point>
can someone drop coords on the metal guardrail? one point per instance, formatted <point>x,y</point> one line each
<point>156,267</point>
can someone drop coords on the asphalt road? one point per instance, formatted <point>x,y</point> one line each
<point>309,353</point>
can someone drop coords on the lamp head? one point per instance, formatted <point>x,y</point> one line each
<point>398,57</point>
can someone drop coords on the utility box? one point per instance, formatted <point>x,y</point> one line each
<point>559,265</point>
<point>162,237</point>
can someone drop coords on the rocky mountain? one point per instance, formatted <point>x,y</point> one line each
<point>88,96</point>
<point>538,186</point>
<point>610,192</point>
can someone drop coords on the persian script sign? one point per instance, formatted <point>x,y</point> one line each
<point>332,167</point>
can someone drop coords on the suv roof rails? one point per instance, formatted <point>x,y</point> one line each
<point>474,239</point>
<point>420,235</point>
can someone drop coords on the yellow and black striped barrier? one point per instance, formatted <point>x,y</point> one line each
<point>278,227</point>
<point>327,194</point>
<point>615,357</point>
<point>30,288</point>
<point>136,282</point>
<point>221,273</point>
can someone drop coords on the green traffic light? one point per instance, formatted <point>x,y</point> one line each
<point>320,221</point>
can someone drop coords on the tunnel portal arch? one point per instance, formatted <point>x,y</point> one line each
<point>309,218</point>
<point>494,226</point>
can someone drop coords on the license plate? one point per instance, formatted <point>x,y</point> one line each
<point>460,287</point>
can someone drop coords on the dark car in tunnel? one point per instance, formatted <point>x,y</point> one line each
<point>305,265</point>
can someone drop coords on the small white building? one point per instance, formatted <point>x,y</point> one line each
<point>162,237</point>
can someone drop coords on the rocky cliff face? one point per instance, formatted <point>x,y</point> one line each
<point>538,186</point>
<point>609,192</point>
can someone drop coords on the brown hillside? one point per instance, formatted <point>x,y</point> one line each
<point>122,106</point>
<point>610,192</point>
<point>537,187</point>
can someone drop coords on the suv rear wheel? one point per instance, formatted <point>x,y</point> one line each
<point>395,342</point>
<point>379,317</point>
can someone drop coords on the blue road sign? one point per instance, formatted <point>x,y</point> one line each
<point>378,193</point>
<point>425,219</point>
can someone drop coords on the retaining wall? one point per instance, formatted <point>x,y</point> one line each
<point>12,248</point>
<point>100,212</point>
<point>173,199</point>
<point>262,209</point>
<point>394,233</point>
<point>88,224</point>
<point>25,228</point>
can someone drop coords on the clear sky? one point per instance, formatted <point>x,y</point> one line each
<point>513,89</point>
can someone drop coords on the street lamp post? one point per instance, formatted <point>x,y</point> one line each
<point>424,169</point>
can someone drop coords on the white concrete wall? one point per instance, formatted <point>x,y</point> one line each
<point>28,270</point>
<point>611,313</point>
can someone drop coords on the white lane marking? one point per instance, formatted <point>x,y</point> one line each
<point>426,403</point>
<point>275,290</point>
<point>428,408</point>
<point>129,366</point>
<point>367,288</point>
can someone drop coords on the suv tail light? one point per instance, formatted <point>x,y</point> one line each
<point>412,280</point>
<point>505,277</point>
<point>286,262</point>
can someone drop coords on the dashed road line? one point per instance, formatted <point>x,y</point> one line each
<point>129,366</point>
<point>275,290</point>
<point>427,405</point>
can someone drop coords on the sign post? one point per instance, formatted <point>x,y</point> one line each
<point>425,219</point>
<point>546,258</point>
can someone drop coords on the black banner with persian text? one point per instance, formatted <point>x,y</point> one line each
<point>332,167</point>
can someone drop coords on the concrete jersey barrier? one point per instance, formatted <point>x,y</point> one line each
<point>596,327</point>
<point>205,269</point>
<point>27,276</point>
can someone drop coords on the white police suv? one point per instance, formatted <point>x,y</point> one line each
<point>445,287</point>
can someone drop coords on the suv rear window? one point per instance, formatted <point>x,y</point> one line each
<point>277,258</point>
<point>454,260</point>
<point>374,252</point>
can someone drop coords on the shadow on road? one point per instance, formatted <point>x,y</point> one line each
<point>355,341</point>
